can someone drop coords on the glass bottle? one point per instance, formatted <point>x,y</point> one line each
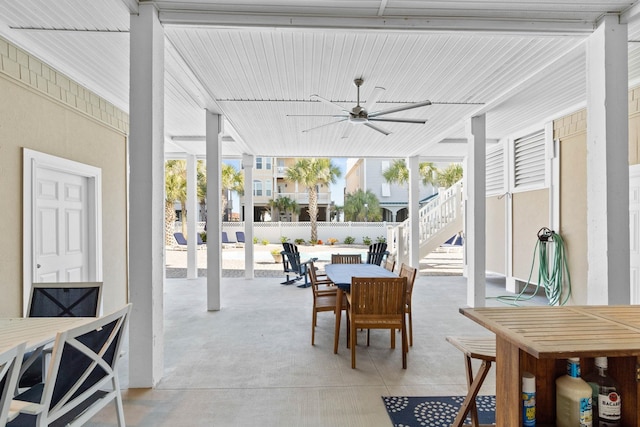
<point>607,404</point>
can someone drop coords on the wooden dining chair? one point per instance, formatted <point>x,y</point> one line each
<point>346,259</point>
<point>324,297</point>
<point>390,263</point>
<point>410,273</point>
<point>377,303</point>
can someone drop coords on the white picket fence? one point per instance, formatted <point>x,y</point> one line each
<point>439,219</point>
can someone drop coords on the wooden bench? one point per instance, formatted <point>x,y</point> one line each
<point>481,348</point>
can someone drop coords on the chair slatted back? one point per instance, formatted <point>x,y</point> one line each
<point>346,259</point>
<point>390,264</point>
<point>377,253</point>
<point>378,297</point>
<point>72,299</point>
<point>291,258</point>
<point>410,273</point>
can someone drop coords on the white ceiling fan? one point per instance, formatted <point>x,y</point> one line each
<point>365,115</point>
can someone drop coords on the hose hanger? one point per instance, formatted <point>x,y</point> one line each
<point>553,271</point>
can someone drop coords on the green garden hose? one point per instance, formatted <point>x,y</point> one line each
<point>551,271</point>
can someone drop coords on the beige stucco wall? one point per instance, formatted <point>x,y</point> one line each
<point>39,110</point>
<point>572,133</point>
<point>496,235</point>
<point>530,214</point>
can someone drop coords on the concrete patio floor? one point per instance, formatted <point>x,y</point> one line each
<point>252,363</point>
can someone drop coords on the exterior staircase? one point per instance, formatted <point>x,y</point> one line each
<point>439,219</point>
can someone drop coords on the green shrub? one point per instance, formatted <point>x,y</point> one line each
<point>299,241</point>
<point>366,240</point>
<point>265,242</point>
<point>381,239</point>
<point>203,236</point>
<point>284,239</point>
<point>255,240</point>
<point>349,240</point>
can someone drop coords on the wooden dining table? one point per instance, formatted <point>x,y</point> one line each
<point>540,339</point>
<point>341,275</point>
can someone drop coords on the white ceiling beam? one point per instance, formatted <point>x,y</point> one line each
<point>514,26</point>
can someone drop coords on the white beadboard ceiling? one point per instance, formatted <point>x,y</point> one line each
<point>258,62</point>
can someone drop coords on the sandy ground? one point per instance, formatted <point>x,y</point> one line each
<point>444,261</point>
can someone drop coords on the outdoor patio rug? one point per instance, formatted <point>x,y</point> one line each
<point>437,411</point>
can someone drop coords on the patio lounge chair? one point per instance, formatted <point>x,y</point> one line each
<point>9,370</point>
<point>82,378</point>
<point>240,237</point>
<point>292,264</point>
<point>377,253</point>
<point>226,241</point>
<point>73,299</point>
<point>182,241</point>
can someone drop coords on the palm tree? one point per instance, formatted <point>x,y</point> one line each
<point>362,206</point>
<point>399,173</point>
<point>175,184</point>
<point>233,180</point>
<point>310,173</point>
<point>449,176</point>
<point>282,205</point>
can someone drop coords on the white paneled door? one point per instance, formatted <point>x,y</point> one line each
<point>62,221</point>
<point>61,227</point>
<point>634,231</point>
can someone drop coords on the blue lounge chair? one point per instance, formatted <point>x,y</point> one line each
<point>240,236</point>
<point>226,241</point>
<point>182,241</point>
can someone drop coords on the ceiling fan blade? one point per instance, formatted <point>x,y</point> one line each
<point>374,97</point>
<point>326,124</point>
<point>318,115</point>
<point>382,119</point>
<point>378,128</point>
<point>329,103</point>
<point>347,130</point>
<point>400,108</point>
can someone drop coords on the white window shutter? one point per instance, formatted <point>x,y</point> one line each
<point>529,161</point>
<point>386,190</point>
<point>495,172</point>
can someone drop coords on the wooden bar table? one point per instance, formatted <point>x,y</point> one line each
<point>540,339</point>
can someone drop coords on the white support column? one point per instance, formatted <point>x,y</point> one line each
<point>608,276</point>
<point>414,208</point>
<point>192,217</point>
<point>214,209</point>
<point>146,198</point>
<point>247,165</point>
<point>475,212</point>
